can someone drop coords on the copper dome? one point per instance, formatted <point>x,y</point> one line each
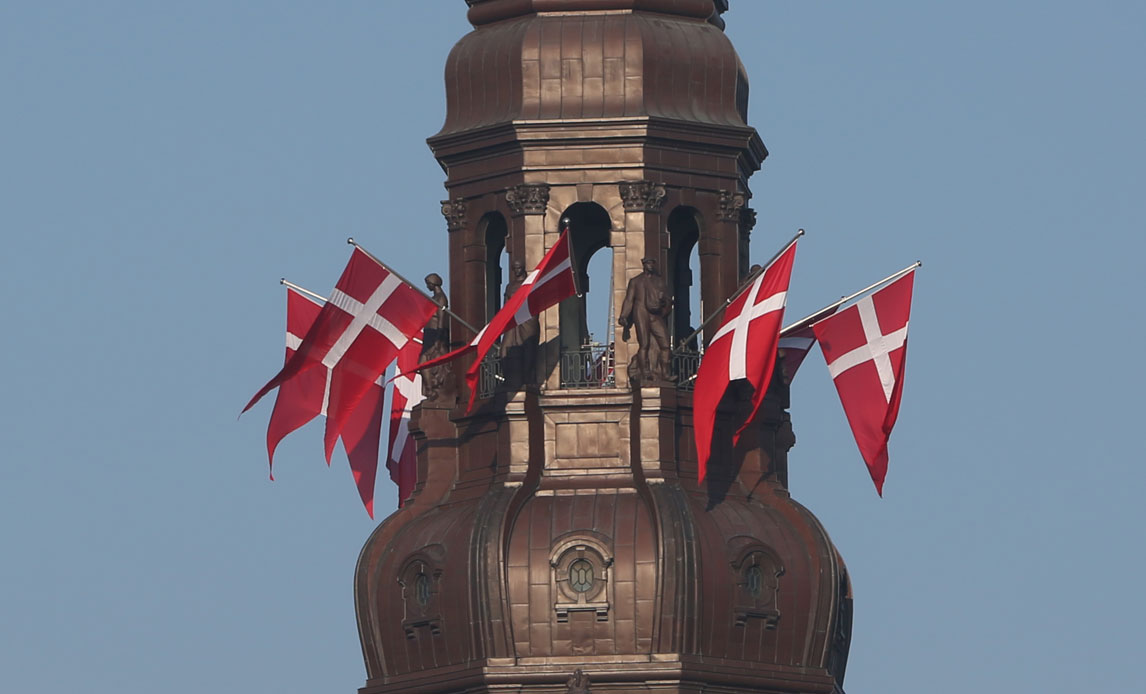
<point>558,528</point>
<point>584,59</point>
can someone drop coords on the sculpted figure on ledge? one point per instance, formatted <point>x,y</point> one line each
<point>647,305</point>
<point>436,342</point>
<point>519,346</point>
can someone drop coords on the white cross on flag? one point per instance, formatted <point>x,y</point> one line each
<point>865,347</point>
<point>305,396</point>
<point>744,347</point>
<point>550,283</point>
<point>370,315</point>
<point>405,395</point>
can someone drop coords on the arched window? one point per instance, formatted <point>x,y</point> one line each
<point>587,321</point>
<point>683,279</point>
<point>494,231</point>
<point>684,272</point>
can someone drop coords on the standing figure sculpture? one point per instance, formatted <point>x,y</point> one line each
<point>435,341</point>
<point>647,305</point>
<point>519,346</point>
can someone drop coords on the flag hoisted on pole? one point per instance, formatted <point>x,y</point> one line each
<point>797,339</point>
<point>369,317</point>
<point>743,347</point>
<point>550,283</point>
<point>304,397</point>
<point>865,347</point>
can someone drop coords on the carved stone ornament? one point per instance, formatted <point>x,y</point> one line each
<point>747,220</point>
<point>744,247</point>
<point>528,198</point>
<point>578,683</point>
<point>642,196</point>
<point>730,206</point>
<point>758,572</point>
<point>455,213</point>
<point>580,567</point>
<point>420,577</point>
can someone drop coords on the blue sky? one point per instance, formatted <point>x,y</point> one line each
<point>162,165</point>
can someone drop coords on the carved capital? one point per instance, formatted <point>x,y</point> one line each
<point>747,220</point>
<point>455,213</point>
<point>730,206</point>
<point>528,198</point>
<point>642,196</point>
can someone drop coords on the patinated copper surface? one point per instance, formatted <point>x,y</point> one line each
<point>553,529</point>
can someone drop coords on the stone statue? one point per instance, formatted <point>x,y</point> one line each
<point>435,341</point>
<point>647,305</point>
<point>519,346</point>
<point>578,683</point>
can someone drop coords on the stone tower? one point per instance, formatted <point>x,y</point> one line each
<point>559,526</point>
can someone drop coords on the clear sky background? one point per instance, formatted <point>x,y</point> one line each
<point>163,164</point>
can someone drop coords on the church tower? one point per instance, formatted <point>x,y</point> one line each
<point>557,539</point>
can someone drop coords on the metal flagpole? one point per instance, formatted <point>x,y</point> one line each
<point>739,290</point>
<point>394,272</point>
<point>292,285</point>
<point>815,317</point>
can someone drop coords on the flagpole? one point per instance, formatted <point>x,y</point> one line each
<point>415,287</point>
<point>317,297</point>
<point>813,318</point>
<point>739,290</point>
<point>572,259</point>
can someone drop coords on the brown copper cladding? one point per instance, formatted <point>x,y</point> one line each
<point>560,528</point>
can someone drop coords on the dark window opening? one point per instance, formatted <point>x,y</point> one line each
<point>586,321</point>
<point>496,261</point>
<point>684,274</point>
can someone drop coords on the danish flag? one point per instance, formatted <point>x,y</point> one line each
<point>797,340</point>
<point>305,396</point>
<point>405,395</point>
<point>744,347</point>
<point>865,347</point>
<point>550,283</point>
<point>369,317</point>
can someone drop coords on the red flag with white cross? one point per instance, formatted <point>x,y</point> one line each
<point>369,317</point>
<point>865,347</point>
<point>549,284</point>
<point>743,347</point>
<point>405,395</point>
<point>304,397</point>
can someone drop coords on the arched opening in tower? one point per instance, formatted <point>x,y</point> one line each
<point>683,277</point>
<point>587,320</point>
<point>494,231</point>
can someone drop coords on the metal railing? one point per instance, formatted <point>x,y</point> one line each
<point>592,366</point>
<point>490,376</point>
<point>685,364</point>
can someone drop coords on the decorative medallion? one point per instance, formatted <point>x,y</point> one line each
<point>455,213</point>
<point>528,198</point>
<point>642,196</point>
<point>758,573</point>
<point>580,568</point>
<point>420,578</point>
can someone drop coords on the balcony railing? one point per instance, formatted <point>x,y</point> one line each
<point>592,366</point>
<point>490,377</point>
<point>684,366</point>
